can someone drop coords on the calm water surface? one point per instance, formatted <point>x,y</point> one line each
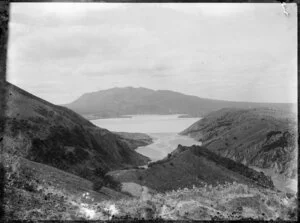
<point>162,128</point>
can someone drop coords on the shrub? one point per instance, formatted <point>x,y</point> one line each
<point>2,183</point>
<point>106,181</point>
<point>30,186</point>
<point>80,153</point>
<point>100,172</point>
<point>292,213</point>
<point>98,184</point>
<point>111,182</point>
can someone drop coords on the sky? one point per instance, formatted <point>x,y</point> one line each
<point>226,51</point>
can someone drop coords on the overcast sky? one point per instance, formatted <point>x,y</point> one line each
<point>240,51</point>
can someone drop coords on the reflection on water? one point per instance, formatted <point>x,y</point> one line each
<point>162,128</point>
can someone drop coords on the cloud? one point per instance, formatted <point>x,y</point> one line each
<point>160,46</point>
<point>211,9</point>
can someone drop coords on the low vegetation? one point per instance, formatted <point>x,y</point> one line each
<point>31,195</point>
<point>57,166</point>
<point>193,165</point>
<point>260,137</point>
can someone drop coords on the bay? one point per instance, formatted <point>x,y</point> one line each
<point>163,129</point>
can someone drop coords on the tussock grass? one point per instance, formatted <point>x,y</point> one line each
<point>224,202</point>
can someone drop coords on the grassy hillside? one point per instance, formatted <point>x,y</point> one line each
<point>59,166</point>
<point>56,136</point>
<point>264,138</point>
<point>35,191</point>
<point>48,146</point>
<point>135,140</point>
<point>43,192</point>
<point>223,202</point>
<point>116,102</point>
<point>188,166</point>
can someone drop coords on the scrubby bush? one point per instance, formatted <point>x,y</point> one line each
<point>98,184</point>
<point>112,183</point>
<point>292,213</point>
<point>106,181</point>
<point>100,172</point>
<point>2,183</point>
<point>80,153</point>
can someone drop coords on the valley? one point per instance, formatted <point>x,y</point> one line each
<point>155,112</point>
<point>87,169</point>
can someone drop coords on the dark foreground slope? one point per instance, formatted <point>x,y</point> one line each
<point>52,156</point>
<point>265,138</point>
<point>188,166</point>
<point>116,102</point>
<point>56,136</point>
<point>35,191</point>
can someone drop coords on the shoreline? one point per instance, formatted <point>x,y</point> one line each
<point>95,117</point>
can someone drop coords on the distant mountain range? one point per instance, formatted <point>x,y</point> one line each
<point>117,102</point>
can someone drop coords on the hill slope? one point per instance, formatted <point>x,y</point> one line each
<point>42,132</point>
<point>187,166</point>
<point>222,203</point>
<point>116,102</point>
<point>264,138</point>
<point>52,156</point>
<point>135,140</point>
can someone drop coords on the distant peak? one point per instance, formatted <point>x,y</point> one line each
<point>129,88</point>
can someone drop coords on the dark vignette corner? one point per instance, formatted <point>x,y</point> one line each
<point>4,18</point>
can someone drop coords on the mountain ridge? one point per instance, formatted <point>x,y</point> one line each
<point>192,165</point>
<point>260,137</point>
<point>116,102</point>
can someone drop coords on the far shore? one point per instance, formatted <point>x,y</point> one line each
<point>95,117</point>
